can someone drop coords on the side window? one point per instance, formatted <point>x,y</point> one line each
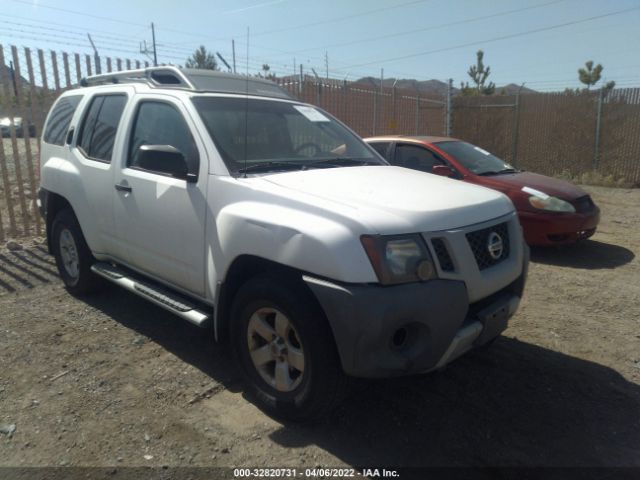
<point>381,147</point>
<point>416,158</point>
<point>159,123</point>
<point>59,120</point>
<point>100,125</point>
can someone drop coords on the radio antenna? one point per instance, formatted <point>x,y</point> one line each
<point>246,108</point>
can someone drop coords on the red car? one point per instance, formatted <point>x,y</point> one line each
<point>551,211</point>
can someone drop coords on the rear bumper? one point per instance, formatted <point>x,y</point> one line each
<point>411,328</point>
<point>558,229</point>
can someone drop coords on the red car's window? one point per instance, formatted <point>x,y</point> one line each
<point>416,158</point>
<point>474,158</point>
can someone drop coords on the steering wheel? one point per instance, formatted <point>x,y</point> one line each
<point>304,146</point>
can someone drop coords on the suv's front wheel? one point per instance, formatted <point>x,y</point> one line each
<point>283,343</point>
<point>73,257</point>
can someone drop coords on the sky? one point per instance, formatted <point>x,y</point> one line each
<point>541,43</point>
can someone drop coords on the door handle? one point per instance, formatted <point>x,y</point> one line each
<point>123,188</point>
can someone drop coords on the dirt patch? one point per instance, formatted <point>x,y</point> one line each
<point>114,381</point>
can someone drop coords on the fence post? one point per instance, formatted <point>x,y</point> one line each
<point>516,128</point>
<point>448,116</point>
<point>596,147</point>
<point>301,84</point>
<point>8,104</point>
<point>417,111</point>
<point>375,109</point>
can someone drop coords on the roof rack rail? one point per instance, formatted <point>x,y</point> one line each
<point>165,76</point>
<point>192,79</point>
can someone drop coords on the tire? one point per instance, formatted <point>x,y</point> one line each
<point>73,257</point>
<point>310,380</point>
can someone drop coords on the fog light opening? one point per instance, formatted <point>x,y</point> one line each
<point>399,338</point>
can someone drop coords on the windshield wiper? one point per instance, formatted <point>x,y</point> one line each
<point>268,166</point>
<point>337,162</point>
<point>498,172</point>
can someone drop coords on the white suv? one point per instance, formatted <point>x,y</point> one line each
<point>231,204</point>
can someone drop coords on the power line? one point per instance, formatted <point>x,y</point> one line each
<point>338,19</point>
<point>66,10</point>
<point>496,39</point>
<point>428,29</point>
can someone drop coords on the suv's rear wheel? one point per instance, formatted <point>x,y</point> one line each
<point>72,254</point>
<point>283,343</point>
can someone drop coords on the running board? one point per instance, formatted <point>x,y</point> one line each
<point>161,296</point>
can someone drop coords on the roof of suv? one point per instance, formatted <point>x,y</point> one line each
<point>192,79</point>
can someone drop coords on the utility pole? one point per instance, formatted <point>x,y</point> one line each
<point>233,51</point>
<point>294,66</point>
<point>153,37</point>
<point>96,57</point>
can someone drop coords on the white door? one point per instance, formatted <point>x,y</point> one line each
<point>161,218</point>
<point>97,138</point>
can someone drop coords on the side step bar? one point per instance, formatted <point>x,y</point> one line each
<point>161,296</point>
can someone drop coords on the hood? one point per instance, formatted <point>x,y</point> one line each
<point>550,186</point>
<point>392,199</point>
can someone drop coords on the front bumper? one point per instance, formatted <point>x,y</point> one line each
<point>558,229</point>
<point>411,328</point>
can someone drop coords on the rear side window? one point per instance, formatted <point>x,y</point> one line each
<point>59,120</point>
<point>158,123</point>
<point>381,148</point>
<point>98,131</point>
<point>416,158</point>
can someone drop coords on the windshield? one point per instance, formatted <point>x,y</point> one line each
<point>279,136</point>
<point>476,159</point>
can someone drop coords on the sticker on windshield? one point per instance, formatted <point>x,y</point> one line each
<point>311,113</point>
<point>535,193</point>
<point>484,152</point>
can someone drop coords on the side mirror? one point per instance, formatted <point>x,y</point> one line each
<point>165,159</point>
<point>443,170</point>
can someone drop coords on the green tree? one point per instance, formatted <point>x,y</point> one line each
<point>479,74</point>
<point>590,75</point>
<point>202,59</point>
<point>265,73</point>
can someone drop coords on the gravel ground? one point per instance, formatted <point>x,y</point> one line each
<point>111,380</point>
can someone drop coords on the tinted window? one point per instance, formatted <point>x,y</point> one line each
<point>159,123</point>
<point>59,119</point>
<point>381,148</point>
<point>88,124</point>
<point>98,132</point>
<point>253,133</point>
<point>474,158</point>
<point>417,158</point>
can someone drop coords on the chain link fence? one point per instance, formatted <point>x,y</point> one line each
<point>569,134</point>
<point>546,133</point>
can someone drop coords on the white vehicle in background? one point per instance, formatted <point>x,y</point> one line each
<point>234,206</point>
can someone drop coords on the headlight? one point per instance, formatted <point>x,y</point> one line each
<point>551,204</point>
<point>399,258</point>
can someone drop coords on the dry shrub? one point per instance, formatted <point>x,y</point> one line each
<point>596,178</point>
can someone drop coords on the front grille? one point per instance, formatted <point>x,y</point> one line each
<point>583,204</point>
<point>479,243</point>
<point>444,259</point>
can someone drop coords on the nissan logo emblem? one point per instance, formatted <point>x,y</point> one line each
<point>494,245</point>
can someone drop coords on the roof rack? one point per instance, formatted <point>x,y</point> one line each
<point>191,79</point>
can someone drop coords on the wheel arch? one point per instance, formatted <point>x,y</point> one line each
<point>242,269</point>
<point>55,203</point>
